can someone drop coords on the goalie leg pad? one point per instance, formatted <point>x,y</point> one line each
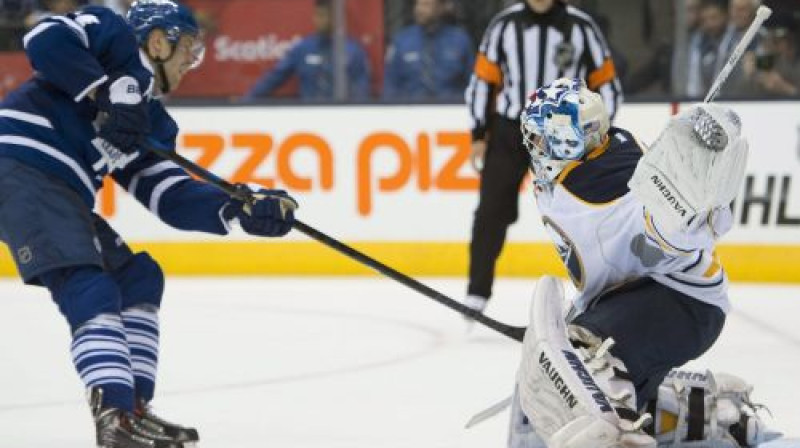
<point>520,432</point>
<point>701,409</point>
<point>560,396</point>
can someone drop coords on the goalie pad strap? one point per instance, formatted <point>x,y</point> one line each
<point>652,409</point>
<point>697,414</point>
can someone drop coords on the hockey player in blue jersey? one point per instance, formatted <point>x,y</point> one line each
<point>91,110</point>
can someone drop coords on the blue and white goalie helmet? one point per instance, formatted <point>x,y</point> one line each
<point>170,16</point>
<point>561,123</point>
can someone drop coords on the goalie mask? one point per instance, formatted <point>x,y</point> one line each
<point>561,123</point>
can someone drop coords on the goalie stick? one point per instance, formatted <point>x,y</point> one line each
<point>245,195</point>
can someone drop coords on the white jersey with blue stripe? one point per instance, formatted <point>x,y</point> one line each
<point>49,122</point>
<point>606,238</point>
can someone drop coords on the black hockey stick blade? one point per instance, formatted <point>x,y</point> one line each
<point>516,333</point>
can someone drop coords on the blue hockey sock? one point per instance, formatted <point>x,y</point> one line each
<point>141,330</point>
<point>101,356</point>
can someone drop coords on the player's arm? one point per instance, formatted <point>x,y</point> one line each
<point>65,51</point>
<point>167,190</point>
<point>94,53</point>
<point>182,202</point>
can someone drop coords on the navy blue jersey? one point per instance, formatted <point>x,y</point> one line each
<point>49,122</point>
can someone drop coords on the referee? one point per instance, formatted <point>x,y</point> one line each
<point>527,45</point>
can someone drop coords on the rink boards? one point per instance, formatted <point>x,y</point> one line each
<point>395,182</point>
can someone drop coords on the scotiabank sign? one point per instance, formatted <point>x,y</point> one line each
<point>246,38</point>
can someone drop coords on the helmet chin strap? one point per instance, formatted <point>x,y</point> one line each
<point>163,85</point>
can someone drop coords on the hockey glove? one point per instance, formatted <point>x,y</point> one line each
<point>696,165</point>
<point>126,122</point>
<point>270,214</point>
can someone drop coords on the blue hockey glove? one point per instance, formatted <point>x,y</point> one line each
<point>271,214</point>
<point>126,123</point>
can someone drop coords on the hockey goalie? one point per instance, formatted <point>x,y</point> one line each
<point>636,230</point>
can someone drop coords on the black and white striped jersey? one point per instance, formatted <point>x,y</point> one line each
<point>522,50</point>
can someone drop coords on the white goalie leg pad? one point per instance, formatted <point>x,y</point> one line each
<point>520,432</point>
<point>560,397</point>
<point>701,409</point>
<point>695,166</point>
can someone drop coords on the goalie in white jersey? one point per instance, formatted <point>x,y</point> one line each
<point>637,236</point>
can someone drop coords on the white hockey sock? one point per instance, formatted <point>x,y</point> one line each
<point>102,358</point>
<point>142,332</point>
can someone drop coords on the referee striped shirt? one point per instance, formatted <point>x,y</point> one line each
<point>522,50</point>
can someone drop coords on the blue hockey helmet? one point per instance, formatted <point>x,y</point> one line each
<point>561,123</point>
<point>170,16</point>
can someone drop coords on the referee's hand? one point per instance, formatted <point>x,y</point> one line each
<point>477,155</point>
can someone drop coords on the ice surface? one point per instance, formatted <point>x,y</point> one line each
<point>341,363</point>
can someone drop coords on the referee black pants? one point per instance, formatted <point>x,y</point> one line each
<point>504,167</point>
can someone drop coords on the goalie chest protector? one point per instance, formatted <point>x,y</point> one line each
<point>606,238</point>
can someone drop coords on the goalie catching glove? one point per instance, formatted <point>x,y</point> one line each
<point>695,166</point>
<point>269,213</point>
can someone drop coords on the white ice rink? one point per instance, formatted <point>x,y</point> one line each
<point>338,363</point>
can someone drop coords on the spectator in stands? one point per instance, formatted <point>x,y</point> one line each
<point>119,6</point>
<point>773,69</point>
<point>51,8</point>
<point>665,63</point>
<point>742,14</point>
<point>620,61</point>
<point>430,59</point>
<point>311,60</point>
<point>12,15</point>
<point>708,54</point>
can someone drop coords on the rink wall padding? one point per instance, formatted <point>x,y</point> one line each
<point>779,264</point>
<point>395,182</point>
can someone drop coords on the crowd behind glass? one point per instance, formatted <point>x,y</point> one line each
<point>661,50</point>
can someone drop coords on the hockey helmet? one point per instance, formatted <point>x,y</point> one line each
<point>170,16</point>
<point>561,123</point>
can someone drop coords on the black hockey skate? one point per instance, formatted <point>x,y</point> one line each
<point>146,417</point>
<point>118,429</point>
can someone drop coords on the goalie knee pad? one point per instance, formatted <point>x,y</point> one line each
<point>141,281</point>
<point>575,397</point>
<point>701,409</point>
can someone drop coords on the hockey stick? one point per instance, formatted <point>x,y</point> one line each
<point>762,14</point>
<point>245,195</point>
